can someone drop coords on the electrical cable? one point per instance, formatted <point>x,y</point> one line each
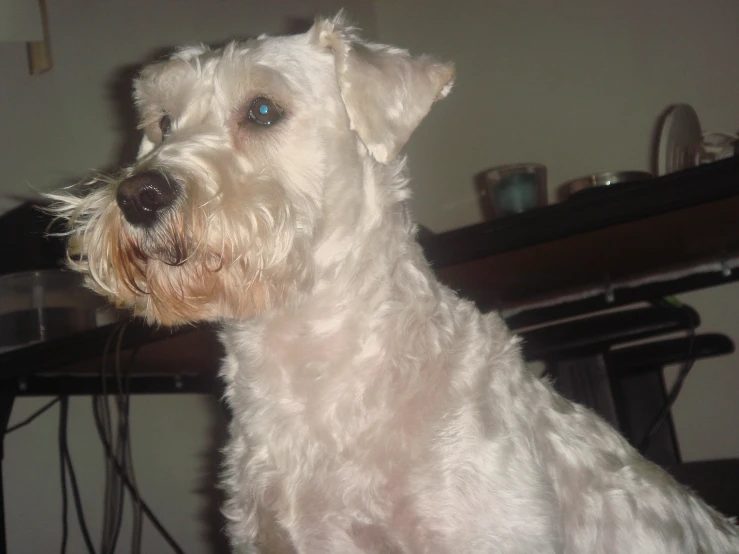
<point>677,386</point>
<point>67,459</point>
<point>30,419</point>
<point>144,506</point>
<point>121,460</point>
<point>124,433</point>
<point>114,497</point>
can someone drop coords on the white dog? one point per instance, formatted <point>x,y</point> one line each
<point>373,409</point>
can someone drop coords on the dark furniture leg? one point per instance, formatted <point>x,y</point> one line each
<point>7,396</point>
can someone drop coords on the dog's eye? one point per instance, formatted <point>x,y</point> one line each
<point>264,112</point>
<point>165,125</point>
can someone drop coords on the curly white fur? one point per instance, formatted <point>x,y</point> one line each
<point>373,409</point>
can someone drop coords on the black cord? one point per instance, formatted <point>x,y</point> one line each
<point>121,472</point>
<point>124,432</point>
<point>66,466</point>
<point>63,472</point>
<point>123,402</point>
<point>123,390</point>
<point>121,495</point>
<point>119,515</point>
<point>676,387</point>
<point>114,487</point>
<point>112,530</point>
<point>67,459</point>
<point>32,417</point>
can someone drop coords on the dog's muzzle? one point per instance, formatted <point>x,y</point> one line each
<point>144,196</point>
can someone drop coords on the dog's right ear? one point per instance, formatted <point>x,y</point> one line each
<point>386,91</point>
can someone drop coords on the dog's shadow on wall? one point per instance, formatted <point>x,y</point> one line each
<point>119,92</point>
<point>120,96</point>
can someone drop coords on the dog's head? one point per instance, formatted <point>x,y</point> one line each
<point>250,153</point>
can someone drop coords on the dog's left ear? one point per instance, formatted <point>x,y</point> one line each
<point>386,91</point>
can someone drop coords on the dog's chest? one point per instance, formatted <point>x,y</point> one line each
<point>332,378</point>
<point>319,410</point>
<point>304,402</point>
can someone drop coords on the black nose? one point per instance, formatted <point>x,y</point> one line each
<point>142,197</point>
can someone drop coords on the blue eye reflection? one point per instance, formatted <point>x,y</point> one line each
<point>264,111</point>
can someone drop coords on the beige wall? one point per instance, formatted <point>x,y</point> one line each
<point>577,86</point>
<point>56,128</point>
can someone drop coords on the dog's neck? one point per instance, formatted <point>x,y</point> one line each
<point>369,263</point>
<point>360,254</point>
<point>372,324</point>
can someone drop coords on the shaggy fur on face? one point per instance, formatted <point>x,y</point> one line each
<point>374,411</point>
